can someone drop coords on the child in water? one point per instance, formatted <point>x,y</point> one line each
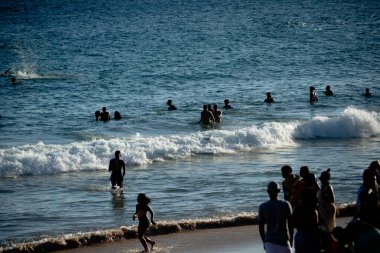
<point>141,213</point>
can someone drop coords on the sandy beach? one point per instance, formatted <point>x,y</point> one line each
<point>242,239</point>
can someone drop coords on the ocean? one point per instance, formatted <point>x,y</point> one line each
<point>72,57</point>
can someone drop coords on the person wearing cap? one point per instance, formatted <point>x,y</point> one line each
<point>277,235</point>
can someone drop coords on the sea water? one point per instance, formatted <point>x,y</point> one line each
<point>71,58</point>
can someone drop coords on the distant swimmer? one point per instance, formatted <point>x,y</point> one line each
<point>171,107</point>
<point>227,104</point>
<point>117,115</point>
<point>269,98</point>
<point>104,115</point>
<point>97,115</point>
<point>328,91</point>
<point>115,167</point>
<point>206,116</point>
<point>313,95</point>
<point>13,80</point>
<point>217,114</point>
<point>6,72</point>
<point>367,94</point>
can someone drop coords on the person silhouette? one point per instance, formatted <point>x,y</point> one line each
<point>104,115</point>
<point>116,166</point>
<point>227,104</point>
<point>328,91</point>
<point>269,98</point>
<point>171,107</point>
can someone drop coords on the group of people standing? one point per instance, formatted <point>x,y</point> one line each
<point>309,207</point>
<point>105,116</point>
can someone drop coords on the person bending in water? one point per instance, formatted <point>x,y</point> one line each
<point>142,208</point>
<point>206,116</point>
<point>269,98</point>
<point>115,166</point>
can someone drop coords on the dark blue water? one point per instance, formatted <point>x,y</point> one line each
<point>71,58</point>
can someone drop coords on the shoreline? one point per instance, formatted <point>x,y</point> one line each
<point>242,239</point>
<point>228,231</point>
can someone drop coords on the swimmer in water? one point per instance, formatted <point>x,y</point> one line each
<point>367,94</point>
<point>206,116</point>
<point>171,107</point>
<point>328,91</point>
<point>227,104</point>
<point>269,98</point>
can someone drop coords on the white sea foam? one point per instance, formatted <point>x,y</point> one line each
<point>352,123</point>
<point>94,155</point>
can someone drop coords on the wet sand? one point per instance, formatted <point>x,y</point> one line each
<point>242,239</point>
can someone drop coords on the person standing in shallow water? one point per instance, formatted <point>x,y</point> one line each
<point>217,114</point>
<point>104,115</point>
<point>142,208</point>
<point>115,167</point>
<point>313,95</point>
<point>206,116</point>
<point>276,215</point>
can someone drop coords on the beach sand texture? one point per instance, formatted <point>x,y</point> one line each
<point>242,239</point>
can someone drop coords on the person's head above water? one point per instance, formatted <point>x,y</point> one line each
<point>169,102</point>
<point>104,109</point>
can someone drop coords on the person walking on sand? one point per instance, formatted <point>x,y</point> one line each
<point>142,208</point>
<point>276,214</point>
<point>115,167</point>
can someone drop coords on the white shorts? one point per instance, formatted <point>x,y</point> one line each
<point>275,248</point>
